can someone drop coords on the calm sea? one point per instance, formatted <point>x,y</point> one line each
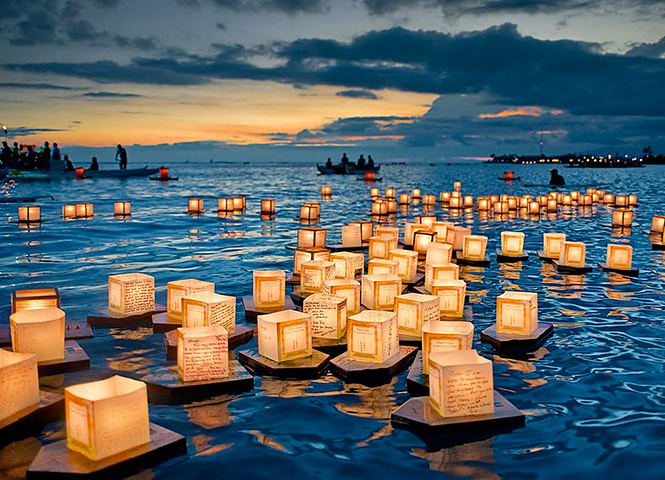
<point>594,395</point>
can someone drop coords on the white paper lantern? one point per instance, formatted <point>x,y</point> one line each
<point>619,256</point>
<point>449,336</point>
<point>131,293</point>
<point>285,335</point>
<point>182,288</point>
<point>19,382</point>
<point>203,353</point>
<point>517,313</point>
<point>348,264</point>
<point>328,314</point>
<point>379,266</point>
<point>379,291</point>
<point>373,336</point>
<point>31,299</point>
<point>40,331</point>
<point>414,309</point>
<point>407,264</point>
<point>349,289</point>
<point>452,295</point>
<point>205,309</point>
<point>269,288</point>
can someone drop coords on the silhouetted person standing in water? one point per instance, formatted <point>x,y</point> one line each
<point>556,179</point>
<point>121,155</point>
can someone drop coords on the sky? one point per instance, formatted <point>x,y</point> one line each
<point>276,80</point>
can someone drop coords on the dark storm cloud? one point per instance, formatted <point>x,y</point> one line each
<point>110,95</point>
<point>290,7</point>
<point>366,94</point>
<point>654,50</point>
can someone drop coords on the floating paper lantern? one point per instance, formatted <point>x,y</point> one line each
<point>483,204</point>
<point>387,232</point>
<point>122,209</point>
<point>392,206</point>
<point>622,217</point>
<point>284,336</point>
<point>474,247</point>
<point>426,220</point>
<point>374,193</point>
<point>448,336</point>
<point>451,294</point>
<point>414,309</point>
<point>416,193</point>
<point>524,202</point>
<point>585,201</point>
<point>107,417</point>
<point>366,229</point>
<point>632,200</point>
<point>178,289</point>
<point>390,193</point>
<point>657,224</point>
<point>205,309</point>
<point>379,291</point>
<point>461,384</point>
<point>267,206</point>
<point>441,230</point>
<point>444,197</point>
<point>517,313</point>
<point>407,264</point>
<point>455,236</point>
<point>40,331</point>
<point>552,206</point>
<point>422,239</point>
<point>552,244</point>
<point>302,255</point>
<point>224,204</point>
<point>379,207</point>
<point>534,208</point>
<point>429,200</point>
<point>372,336</point>
<point>455,203</point>
<point>68,212</point>
<point>380,266</point>
<point>309,212</point>
<point>328,314</point>
<point>439,253</point>
<point>512,203</point>
<point>621,201</point>
<point>440,271</point>
<point>380,246</point>
<point>314,273</point>
<point>512,244</point>
<point>608,199</point>
<point>457,185</point>
<point>404,199</point>
<point>203,353</point>
<point>163,173</point>
<point>269,288</point>
<point>84,210</point>
<point>351,236</point>
<point>19,382</point>
<point>619,256</point>
<point>348,264</point>
<point>195,206</point>
<point>79,173</point>
<point>409,231</point>
<point>310,237</point>
<point>349,289</point>
<point>131,293</point>
<point>326,191</point>
<point>572,254</point>
<point>239,203</point>
<point>468,201</point>
<point>31,299</point>
<point>29,214</point>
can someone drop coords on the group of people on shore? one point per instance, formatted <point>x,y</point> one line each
<point>24,157</point>
<point>360,164</point>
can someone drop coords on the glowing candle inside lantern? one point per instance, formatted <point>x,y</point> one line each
<point>39,331</point>
<point>374,193</point>
<point>457,185</point>
<point>269,287</point>
<point>328,314</point>
<point>413,309</point>
<point>372,336</point>
<point>239,203</point>
<point>422,239</point>
<point>163,173</point>
<point>416,193</point>
<point>68,212</point>
<point>195,205</point>
<point>483,204</point>
<point>379,291</point>
<point>517,313</point>
<point>224,205</point>
<point>452,294</point>
<point>444,197</point>
<point>619,256</point>
<point>621,201</point>
<point>349,289</point>
<point>29,214</point>
<point>404,199</point>
<point>19,382</point>
<point>31,299</point>
<point>379,207</point>
<point>390,193</point>
<point>449,336</point>
<point>455,203</point>
<point>632,200</point>
<point>552,206</point>
<point>429,200</point>
<point>608,199</point>
<point>203,353</point>
<point>285,335</point>
<point>122,209</point>
<point>178,289</point>
<point>131,293</point>
<point>534,208</point>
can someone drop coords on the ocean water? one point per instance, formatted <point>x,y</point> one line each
<point>593,395</point>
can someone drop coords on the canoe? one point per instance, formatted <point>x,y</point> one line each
<point>509,179</point>
<point>45,175</point>
<point>350,169</point>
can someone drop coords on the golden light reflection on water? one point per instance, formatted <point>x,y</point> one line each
<point>618,312</point>
<point>619,295</point>
<point>511,271</point>
<point>203,448</point>
<point>17,456</point>
<point>275,387</point>
<point>383,432</point>
<point>130,361</point>
<point>618,279</point>
<point>211,413</point>
<point>463,460</point>
<point>373,402</point>
<point>268,441</point>
<point>471,274</point>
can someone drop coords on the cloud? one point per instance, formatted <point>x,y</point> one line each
<point>110,95</point>
<point>289,7</point>
<point>653,50</point>
<point>366,94</point>
<point>35,86</point>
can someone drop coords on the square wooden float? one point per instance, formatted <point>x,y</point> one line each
<point>301,368</point>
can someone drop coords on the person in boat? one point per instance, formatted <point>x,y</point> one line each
<point>30,158</point>
<point>361,162</point>
<point>370,161</point>
<point>16,154</point>
<point>556,179</point>
<point>69,166</point>
<point>345,159</point>
<point>5,155</point>
<point>55,153</point>
<point>121,156</point>
<point>44,156</point>
<point>94,166</point>
<point>329,162</point>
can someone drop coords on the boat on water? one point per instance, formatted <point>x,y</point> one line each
<point>45,175</point>
<point>348,169</point>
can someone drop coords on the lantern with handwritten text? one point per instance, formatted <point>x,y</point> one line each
<point>203,353</point>
<point>285,335</point>
<point>302,255</point>
<point>19,382</point>
<point>351,236</point>
<point>328,314</point>
<point>131,293</point>
<point>178,289</point>
<point>440,271</point>
<point>379,291</point>
<point>517,313</point>
<point>269,288</point>
<point>314,273</point>
<point>380,266</point>
<point>380,246</point>
<point>407,264</point>
<point>349,289</point>
<point>372,336</point>
<point>452,294</point>
<point>204,309</point>
<point>414,309</point>
<point>447,336</point>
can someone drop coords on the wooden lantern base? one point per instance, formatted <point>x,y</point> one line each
<point>51,407</point>
<point>571,270</point>
<point>354,371</point>
<point>162,381</point>
<point>474,263</point>
<point>419,279</point>
<point>298,297</point>
<point>521,343</point>
<point>541,255</point>
<point>75,359</point>
<point>167,179</point>
<point>251,311</point>
<point>162,323</point>
<point>331,346</point>
<point>293,279</point>
<point>417,383</point>
<point>73,331</point>
<point>104,318</point>
<point>657,245</point>
<point>501,258</point>
<point>55,460</point>
<point>633,272</point>
<point>300,368</point>
<point>342,248</point>
<point>240,335</point>
<point>418,416</point>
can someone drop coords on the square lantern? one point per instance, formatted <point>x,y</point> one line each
<point>657,224</point>
<point>621,201</point>
<point>302,255</point>
<point>413,310</point>
<point>455,203</point>
<point>441,230</point>
<point>310,211</point>
<point>608,199</point>
<point>348,264</point>
<point>107,417</point>
<point>267,206</point>
<point>632,200</point>
<point>429,200</point>
<point>409,231</point>
<point>416,193</point>
<point>572,254</point>
<point>483,205</point>
<point>382,231</point>
<point>205,309</point>
<point>178,289</point>
<point>444,197</point>
<point>390,193</point>
<point>619,256</point>
<point>373,336</point>
<point>517,313</point>
<point>269,288</point>
<point>468,201</point>
<point>380,246</point>
<point>448,336</point>
<point>379,207</point>
<point>500,207</point>
<point>392,205</point>
<point>352,236</point>
<point>512,244</point>
<point>474,247</point>
<point>311,237</point>
<point>461,384</point>
<point>534,208</point>
<point>452,294</point>
<point>29,214</point>
<point>439,253</point>
<point>195,205</point>
<point>524,202</point>
<point>552,244</point>
<point>380,266</point>
<point>68,212</point>
<point>552,206</point>
<point>239,202</point>
<point>456,235</point>
<point>349,289</point>
<point>19,382</point>
<point>404,199</point>
<point>407,264</point>
<point>622,217</point>
<point>585,201</point>
<point>203,353</point>
<point>427,220</point>
<point>326,191</point>
<point>285,335</point>
<point>30,299</point>
<point>122,209</point>
<point>328,314</point>
<point>224,204</point>
<point>131,293</point>
<point>422,239</point>
<point>457,185</point>
<point>314,273</point>
<point>374,192</point>
<point>84,210</point>
<point>440,271</point>
<point>379,291</point>
<point>366,229</point>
